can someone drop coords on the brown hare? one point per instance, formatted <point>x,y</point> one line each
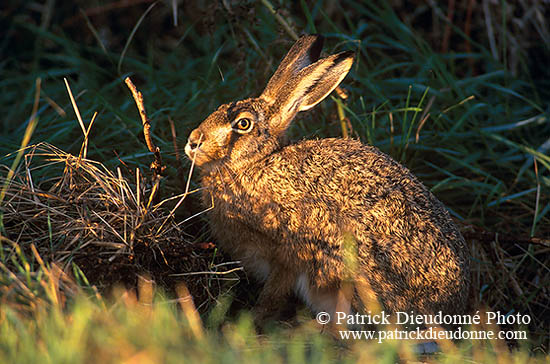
<point>287,210</point>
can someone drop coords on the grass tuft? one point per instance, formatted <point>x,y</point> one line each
<point>82,218</point>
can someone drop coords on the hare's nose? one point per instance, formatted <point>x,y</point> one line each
<point>194,145</point>
<point>195,139</point>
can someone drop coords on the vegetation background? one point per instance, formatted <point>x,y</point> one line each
<point>458,91</point>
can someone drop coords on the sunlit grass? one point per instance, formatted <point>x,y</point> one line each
<point>125,328</point>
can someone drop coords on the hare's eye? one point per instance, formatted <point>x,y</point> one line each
<point>243,125</point>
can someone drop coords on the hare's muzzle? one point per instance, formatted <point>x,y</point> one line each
<point>193,143</point>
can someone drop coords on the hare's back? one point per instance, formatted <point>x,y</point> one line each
<point>345,167</point>
<point>368,188</point>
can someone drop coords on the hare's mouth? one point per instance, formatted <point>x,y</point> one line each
<point>196,155</point>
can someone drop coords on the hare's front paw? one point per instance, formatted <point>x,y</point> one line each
<point>269,308</point>
<point>274,298</point>
<point>262,315</point>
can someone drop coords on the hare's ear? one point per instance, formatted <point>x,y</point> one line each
<point>307,88</point>
<point>304,52</point>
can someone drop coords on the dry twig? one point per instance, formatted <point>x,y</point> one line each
<point>157,165</point>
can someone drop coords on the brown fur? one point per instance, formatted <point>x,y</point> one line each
<point>308,216</point>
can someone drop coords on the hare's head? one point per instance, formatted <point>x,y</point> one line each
<point>242,132</point>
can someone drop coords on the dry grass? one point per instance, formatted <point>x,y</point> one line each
<point>78,215</point>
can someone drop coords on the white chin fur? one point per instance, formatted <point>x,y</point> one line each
<point>188,151</point>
